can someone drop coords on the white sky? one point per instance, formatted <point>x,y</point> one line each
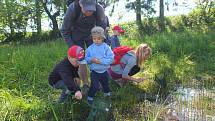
<point>184,7</point>
<point>121,11</point>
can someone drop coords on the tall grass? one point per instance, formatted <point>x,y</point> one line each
<point>26,95</point>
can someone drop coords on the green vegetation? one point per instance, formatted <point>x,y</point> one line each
<point>183,52</point>
<point>26,95</point>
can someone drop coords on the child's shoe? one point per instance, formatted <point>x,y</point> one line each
<point>64,95</point>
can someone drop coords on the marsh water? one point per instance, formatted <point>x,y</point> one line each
<point>190,104</point>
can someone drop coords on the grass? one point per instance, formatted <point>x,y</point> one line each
<point>207,104</point>
<point>26,95</point>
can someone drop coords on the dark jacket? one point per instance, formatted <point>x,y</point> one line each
<point>67,72</point>
<point>78,27</point>
<point>114,40</point>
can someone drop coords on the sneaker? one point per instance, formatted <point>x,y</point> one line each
<point>85,89</point>
<point>63,96</point>
<point>107,94</point>
<point>90,101</point>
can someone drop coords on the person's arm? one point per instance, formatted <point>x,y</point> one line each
<point>133,79</point>
<point>117,42</point>
<point>112,40</point>
<point>107,21</point>
<point>68,79</point>
<point>100,17</point>
<point>131,63</point>
<point>88,57</point>
<point>68,21</point>
<point>109,57</point>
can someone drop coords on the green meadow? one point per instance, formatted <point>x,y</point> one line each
<point>25,94</point>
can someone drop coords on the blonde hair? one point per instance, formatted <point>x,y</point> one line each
<point>143,52</point>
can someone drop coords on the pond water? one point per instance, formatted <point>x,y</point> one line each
<point>190,104</point>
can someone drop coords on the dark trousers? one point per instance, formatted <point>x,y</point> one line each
<point>58,84</point>
<point>103,78</point>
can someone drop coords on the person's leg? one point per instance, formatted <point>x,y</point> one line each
<point>134,70</point>
<point>65,92</point>
<point>104,80</point>
<point>93,87</point>
<point>59,85</point>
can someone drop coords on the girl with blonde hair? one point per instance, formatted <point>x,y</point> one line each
<point>130,64</point>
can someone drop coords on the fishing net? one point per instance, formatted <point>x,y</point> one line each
<point>100,110</point>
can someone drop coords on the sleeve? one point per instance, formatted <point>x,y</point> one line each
<point>68,79</point>
<point>107,21</point>
<point>131,62</point>
<point>112,41</point>
<point>109,57</point>
<point>100,17</point>
<point>88,56</point>
<point>68,21</point>
<point>117,43</point>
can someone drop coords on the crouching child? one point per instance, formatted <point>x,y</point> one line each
<point>65,74</point>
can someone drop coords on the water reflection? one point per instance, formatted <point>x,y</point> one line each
<point>191,104</point>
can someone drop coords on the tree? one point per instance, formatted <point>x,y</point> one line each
<point>141,7</point>
<point>58,4</point>
<point>161,16</point>
<point>207,8</point>
<point>138,15</point>
<point>14,18</point>
<point>38,16</point>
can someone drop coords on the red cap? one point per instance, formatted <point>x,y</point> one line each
<point>118,28</point>
<point>76,52</point>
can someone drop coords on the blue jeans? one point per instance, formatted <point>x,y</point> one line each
<point>103,78</point>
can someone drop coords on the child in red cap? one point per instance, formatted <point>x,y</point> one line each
<point>114,39</point>
<point>65,74</point>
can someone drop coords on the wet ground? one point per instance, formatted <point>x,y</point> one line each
<point>189,104</point>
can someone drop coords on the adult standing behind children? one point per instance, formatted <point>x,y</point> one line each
<point>107,39</point>
<point>114,39</point>
<point>129,63</point>
<point>65,74</point>
<point>99,56</point>
<point>81,16</point>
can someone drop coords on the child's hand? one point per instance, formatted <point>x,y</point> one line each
<point>138,80</point>
<point>78,95</point>
<point>95,60</point>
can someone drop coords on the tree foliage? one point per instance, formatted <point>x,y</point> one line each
<point>14,16</point>
<point>141,7</point>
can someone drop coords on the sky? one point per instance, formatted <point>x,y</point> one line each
<point>126,15</point>
<point>184,7</point>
